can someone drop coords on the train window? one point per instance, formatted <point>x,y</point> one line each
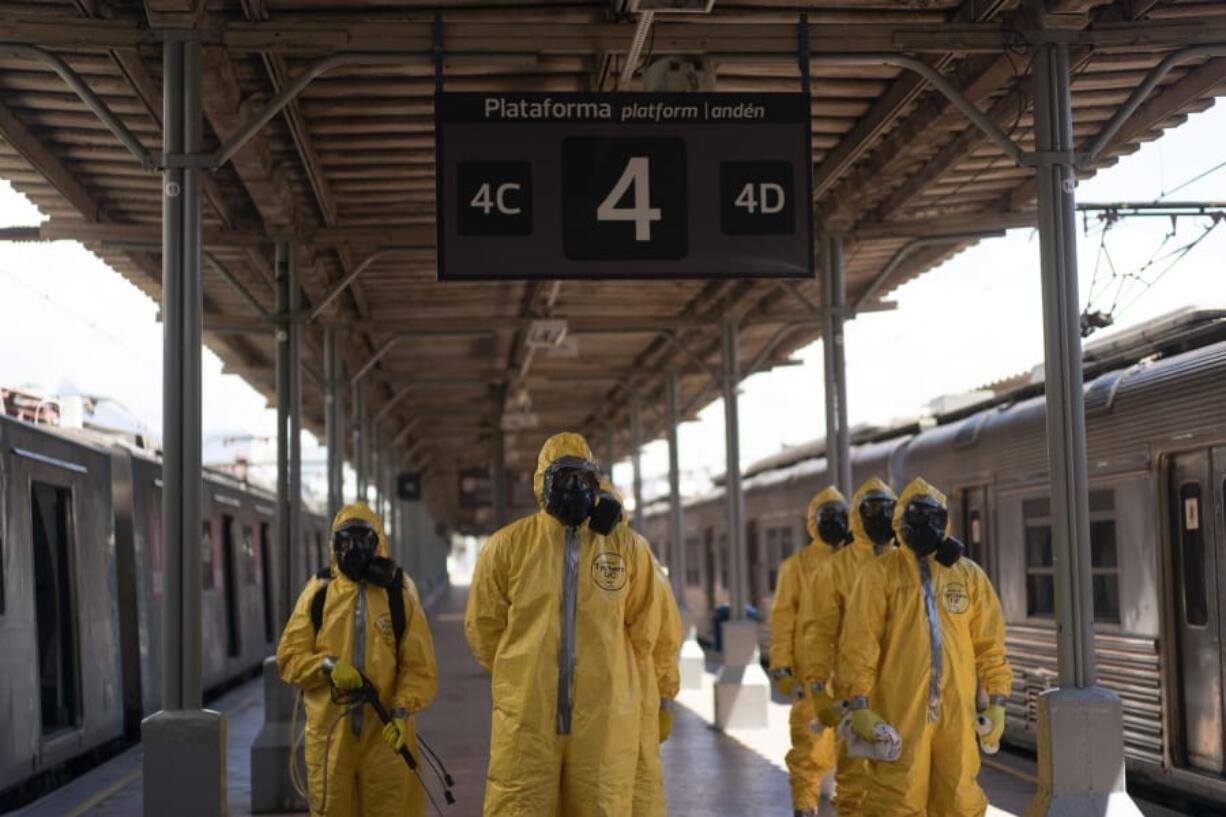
<point>1104,570</point>
<point>693,567</point>
<point>1192,539</point>
<point>1104,563</point>
<point>250,569</point>
<point>772,557</point>
<point>229,564</point>
<point>722,555</point>
<point>55,606</point>
<point>206,554</point>
<point>266,580</point>
<point>785,541</point>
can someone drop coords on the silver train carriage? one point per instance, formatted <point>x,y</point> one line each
<point>1156,421</point>
<point>80,590</point>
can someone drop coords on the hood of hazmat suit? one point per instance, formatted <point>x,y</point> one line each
<point>795,573</point>
<point>363,776</point>
<point>917,639</point>
<point>561,618</point>
<point>821,621</point>
<point>811,756</point>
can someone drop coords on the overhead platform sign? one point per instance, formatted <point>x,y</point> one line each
<point>609,186</point>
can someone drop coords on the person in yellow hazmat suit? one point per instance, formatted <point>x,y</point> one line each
<point>346,625</point>
<point>661,680</point>
<point>811,756</point>
<point>821,621</point>
<point>922,629</point>
<point>560,611</point>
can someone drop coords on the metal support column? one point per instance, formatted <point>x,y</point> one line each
<point>498,456</point>
<point>834,301</point>
<point>741,688</point>
<point>1081,754</point>
<point>359,440</point>
<point>376,464</point>
<point>610,453</point>
<point>691,660</point>
<point>636,458</point>
<point>334,413</point>
<point>289,426</point>
<point>184,757</point>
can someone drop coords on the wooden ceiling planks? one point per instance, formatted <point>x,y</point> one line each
<point>349,166</point>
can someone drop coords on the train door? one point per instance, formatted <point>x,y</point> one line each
<point>757,569</point>
<point>229,567</point>
<point>1195,496</point>
<point>266,579</point>
<point>975,528</point>
<point>55,606</point>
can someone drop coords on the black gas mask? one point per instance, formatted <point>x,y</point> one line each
<point>573,496</point>
<point>923,530</point>
<point>356,544</point>
<point>832,524</point>
<point>877,516</point>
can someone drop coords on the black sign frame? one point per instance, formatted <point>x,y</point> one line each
<point>530,206</point>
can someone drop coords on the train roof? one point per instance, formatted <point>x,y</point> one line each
<point>1166,335</point>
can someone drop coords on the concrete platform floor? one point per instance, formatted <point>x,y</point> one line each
<point>707,772</point>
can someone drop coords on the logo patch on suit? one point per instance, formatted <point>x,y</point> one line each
<point>609,571</point>
<point>384,625</point>
<point>955,598</point>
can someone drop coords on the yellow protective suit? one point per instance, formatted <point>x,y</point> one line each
<point>821,621</point>
<point>661,680</point>
<point>811,756</point>
<point>886,652</point>
<point>364,777</point>
<point>547,757</point>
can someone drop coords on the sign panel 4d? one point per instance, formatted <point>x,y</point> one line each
<point>608,186</point>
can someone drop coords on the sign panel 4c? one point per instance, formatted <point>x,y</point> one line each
<point>605,186</point>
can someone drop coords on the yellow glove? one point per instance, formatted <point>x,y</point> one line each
<point>823,707</point>
<point>395,733</point>
<point>666,723</point>
<point>863,721</point>
<point>994,716</point>
<point>785,681</point>
<point>345,675</point>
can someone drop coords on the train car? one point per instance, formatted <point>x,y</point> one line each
<point>62,688</point>
<point>1156,422</point>
<point>81,586</point>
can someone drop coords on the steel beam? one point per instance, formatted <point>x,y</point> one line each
<point>184,770</point>
<point>906,250</point>
<point>360,461</point>
<point>498,456</point>
<point>1082,774</point>
<point>834,296</point>
<point>334,423</point>
<point>735,501</point>
<point>636,457</point>
<point>676,530</point>
<point>182,311</point>
<point>289,425</point>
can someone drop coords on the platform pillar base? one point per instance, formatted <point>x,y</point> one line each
<point>742,689</point>
<point>692,661</point>
<point>272,789</point>
<point>184,763</point>
<point>1081,756</point>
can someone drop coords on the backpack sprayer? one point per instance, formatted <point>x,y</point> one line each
<point>353,700</point>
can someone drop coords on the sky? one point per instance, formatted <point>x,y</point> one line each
<point>70,325</point>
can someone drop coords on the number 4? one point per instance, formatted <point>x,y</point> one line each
<point>642,213</point>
